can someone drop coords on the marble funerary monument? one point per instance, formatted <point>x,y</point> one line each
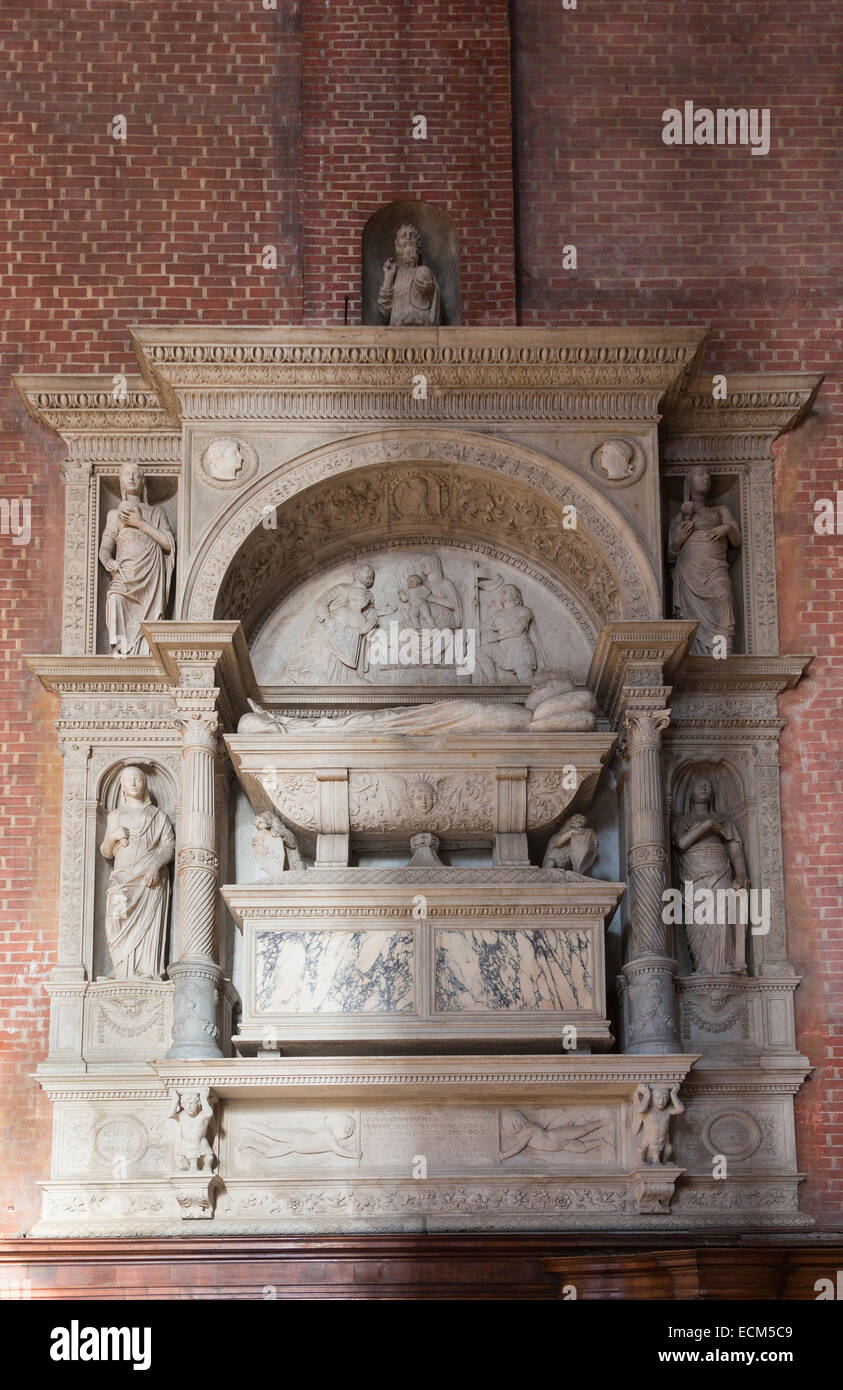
<point>388,720</point>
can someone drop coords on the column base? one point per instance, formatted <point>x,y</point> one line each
<point>196,999</point>
<point>649,1010</point>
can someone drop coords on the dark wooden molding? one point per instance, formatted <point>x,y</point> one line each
<point>420,1267</point>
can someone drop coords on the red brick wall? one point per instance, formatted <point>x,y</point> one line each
<point>99,235</point>
<point>367,69</point>
<point>750,245</point>
<point>226,154</point>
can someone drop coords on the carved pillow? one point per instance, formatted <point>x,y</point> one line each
<point>545,692</point>
<point>563,704</point>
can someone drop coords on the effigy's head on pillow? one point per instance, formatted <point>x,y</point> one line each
<point>555,707</point>
<point>559,707</point>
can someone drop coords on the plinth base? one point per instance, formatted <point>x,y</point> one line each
<point>390,1144</point>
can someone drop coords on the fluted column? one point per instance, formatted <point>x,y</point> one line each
<point>196,974</point>
<point>650,968</point>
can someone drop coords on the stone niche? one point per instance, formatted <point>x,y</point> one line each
<point>357,938</point>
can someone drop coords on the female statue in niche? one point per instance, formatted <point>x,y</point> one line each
<point>139,552</point>
<point>697,547</point>
<point>139,838</point>
<point>710,856</point>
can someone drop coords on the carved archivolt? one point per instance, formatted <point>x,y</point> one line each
<point>464,485</point>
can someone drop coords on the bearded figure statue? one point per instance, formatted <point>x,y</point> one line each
<point>409,295</point>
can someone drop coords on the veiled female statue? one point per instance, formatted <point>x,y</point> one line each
<point>139,838</point>
<point>444,602</point>
<point>710,855</point>
<point>697,546</point>
<point>139,552</point>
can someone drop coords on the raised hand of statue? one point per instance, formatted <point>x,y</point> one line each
<point>685,530</point>
<point>130,517</point>
<point>389,269</point>
<point>115,839</point>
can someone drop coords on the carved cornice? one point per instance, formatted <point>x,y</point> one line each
<point>193,661</point>
<point>630,658</point>
<point>740,675</point>
<point>203,658</point>
<point>367,373</point>
<point>160,454</point>
<point>95,675</point>
<point>757,408</point>
<point>87,405</point>
<point>518,893</point>
<point>618,1074</point>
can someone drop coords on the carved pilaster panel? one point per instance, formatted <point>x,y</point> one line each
<point>80,522</point>
<point>772,948</point>
<point>76,861</point>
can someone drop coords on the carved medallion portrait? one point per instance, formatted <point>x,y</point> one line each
<point>228,463</point>
<point>618,462</point>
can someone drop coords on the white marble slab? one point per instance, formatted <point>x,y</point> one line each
<point>348,972</point>
<point>513,970</point>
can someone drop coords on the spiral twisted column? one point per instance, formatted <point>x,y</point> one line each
<point>197,975</point>
<point>650,969</point>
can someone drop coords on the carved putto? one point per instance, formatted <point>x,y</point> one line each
<point>193,1116</point>
<point>275,847</point>
<point>698,543</point>
<point>654,1108</point>
<point>573,846</point>
<point>138,551</point>
<point>140,839</point>
<point>518,1133</point>
<point>336,1134</point>
<point>409,295</point>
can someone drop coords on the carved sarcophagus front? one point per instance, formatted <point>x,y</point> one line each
<point>375,791</point>
<point>423,958</point>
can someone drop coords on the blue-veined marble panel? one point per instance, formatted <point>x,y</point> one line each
<point>339,972</point>
<point>513,970</point>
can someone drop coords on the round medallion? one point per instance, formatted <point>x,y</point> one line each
<point>618,462</point>
<point>228,463</point>
<point>733,1133</point>
<point>125,1138</point>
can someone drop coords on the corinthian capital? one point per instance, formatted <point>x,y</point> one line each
<point>200,728</point>
<point>645,726</point>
